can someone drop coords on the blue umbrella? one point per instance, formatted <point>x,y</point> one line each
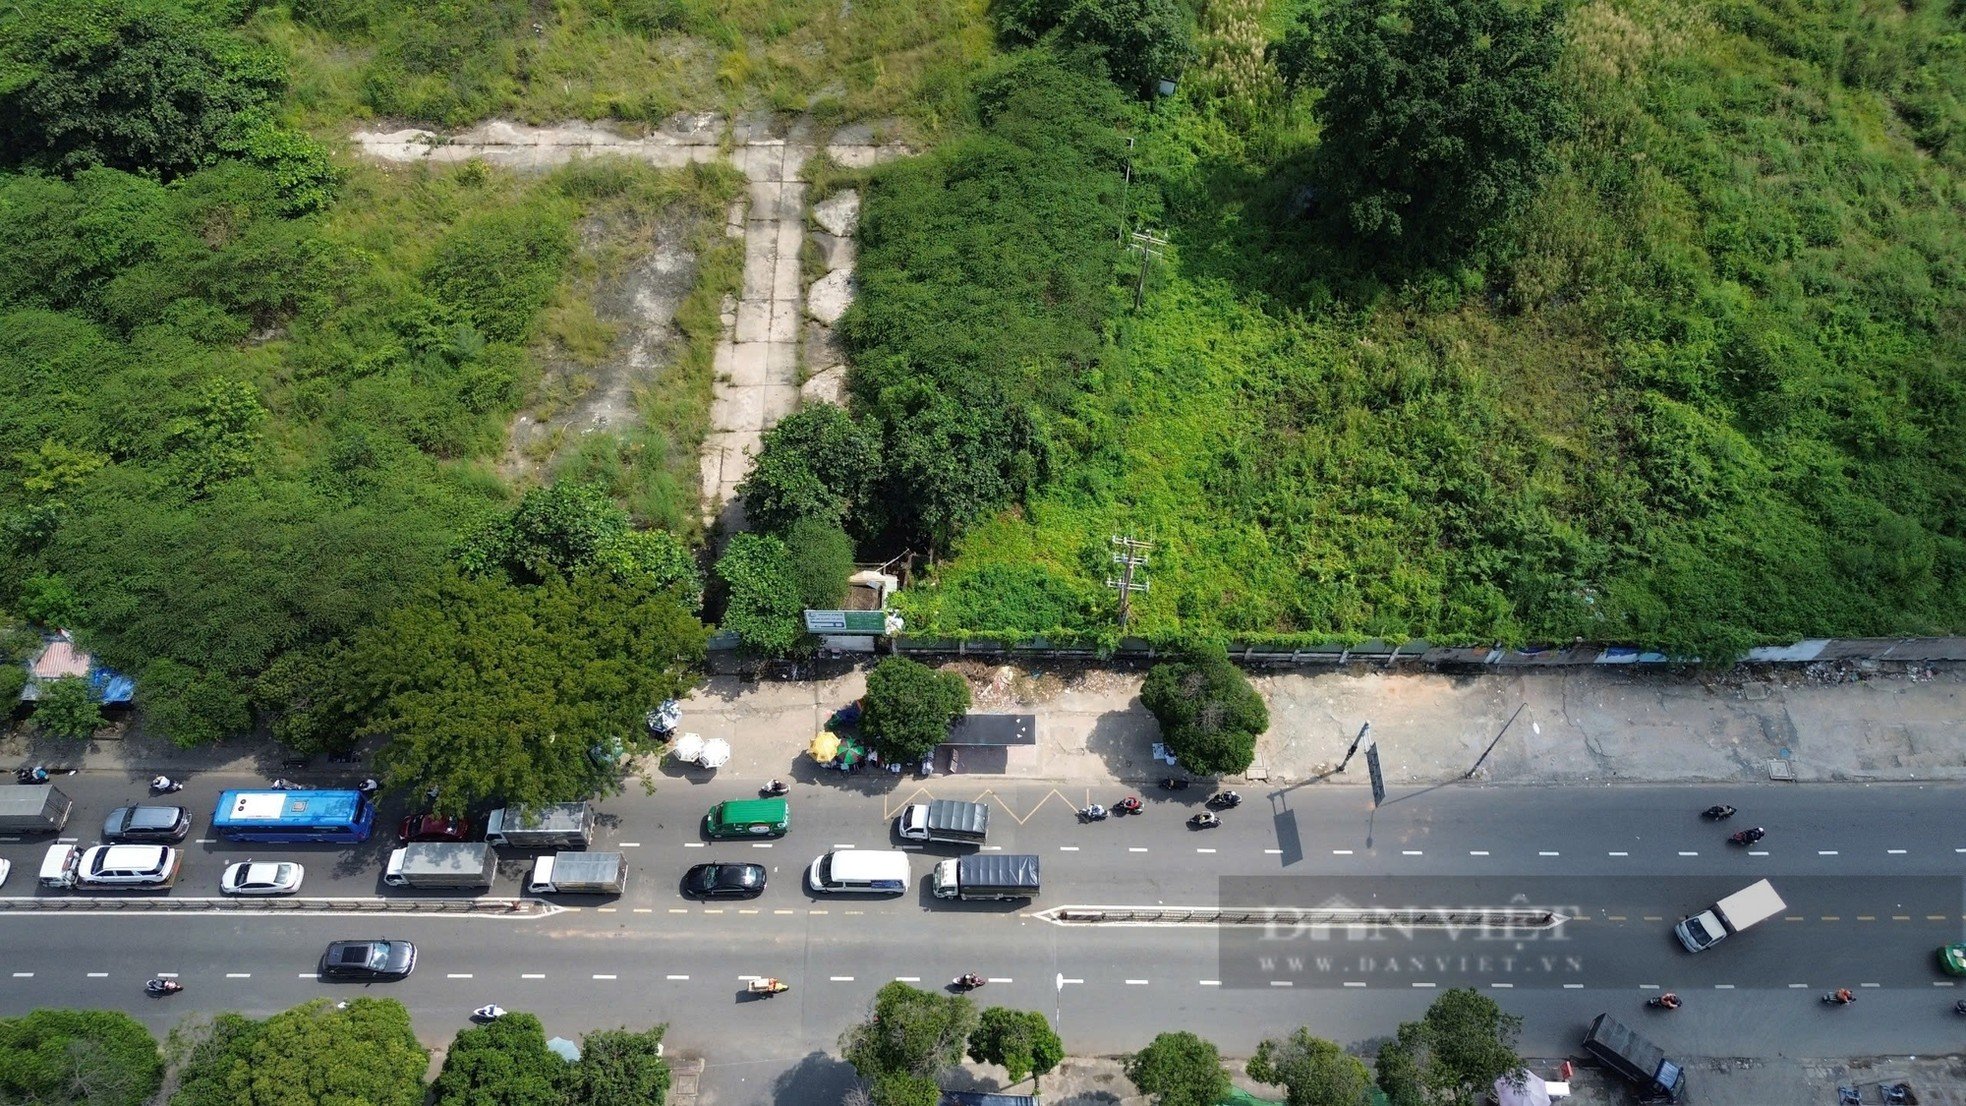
<point>567,1049</point>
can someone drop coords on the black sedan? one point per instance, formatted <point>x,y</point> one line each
<point>368,960</point>
<point>725,881</point>
<point>142,825</point>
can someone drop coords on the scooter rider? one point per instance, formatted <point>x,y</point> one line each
<point>1669,1001</point>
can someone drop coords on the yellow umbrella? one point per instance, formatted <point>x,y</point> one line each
<point>825,747</point>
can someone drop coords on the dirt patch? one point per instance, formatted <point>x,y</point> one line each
<point>639,272</point>
<point>1002,686</point>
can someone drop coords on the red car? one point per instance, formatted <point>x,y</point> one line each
<point>429,827</point>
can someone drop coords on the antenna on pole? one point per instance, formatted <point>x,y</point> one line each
<point>1129,554</point>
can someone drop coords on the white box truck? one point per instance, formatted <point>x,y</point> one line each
<point>554,826</point>
<point>579,874</point>
<point>1751,905</point>
<point>437,864</point>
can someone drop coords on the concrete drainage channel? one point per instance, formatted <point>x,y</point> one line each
<point>1497,918</point>
<point>502,908</point>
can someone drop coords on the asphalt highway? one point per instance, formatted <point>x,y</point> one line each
<point>1871,875</point>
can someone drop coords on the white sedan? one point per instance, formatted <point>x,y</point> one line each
<point>263,878</point>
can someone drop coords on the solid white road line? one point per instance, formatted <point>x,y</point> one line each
<point>1477,852</point>
<point>1350,983</point>
<point>696,844</point>
<point>993,848</point>
<point>1620,854</point>
<point>1426,984</point>
<point>1573,986</point>
<point>1547,853</point>
<point>1825,852</point>
<point>1272,852</point>
<point>997,979</point>
<point>533,975</point>
<point>1136,848</point>
<point>1723,986</point>
<point>458,975</point>
<point>1761,852</point>
<point>1503,986</point>
<point>23,975</point>
<point>1282,983</point>
<point>761,844</point>
<point>1208,982</point>
<point>1340,852</point>
<point>1411,852</point>
<point>907,979</point>
<point>1136,983</point>
<point>1204,850</point>
<point>1685,853</point>
<point>675,977</point>
<point>841,978</point>
<point>1797,986</point>
<point>238,975</point>
<point>631,844</point>
<point>1895,852</point>
<point>98,975</point>
<point>599,976</point>
<point>1068,848</point>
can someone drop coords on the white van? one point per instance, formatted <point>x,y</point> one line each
<point>58,866</point>
<point>860,872</point>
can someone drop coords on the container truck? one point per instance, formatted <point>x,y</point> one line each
<point>557,826</point>
<point>944,820</point>
<point>1749,906</point>
<point>432,864</point>
<point>986,876</point>
<point>34,808</point>
<point>579,874</point>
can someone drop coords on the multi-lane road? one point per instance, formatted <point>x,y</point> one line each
<point>1871,875</point>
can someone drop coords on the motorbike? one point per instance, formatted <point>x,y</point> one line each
<point>369,786</point>
<point>36,774</point>
<point>1173,783</point>
<point>767,987</point>
<point>1748,836</point>
<point>1225,801</point>
<point>1718,813</point>
<point>1838,998</point>
<point>1204,821</point>
<point>1959,1007</point>
<point>163,987</point>
<point>1093,813</point>
<point>773,789</point>
<point>489,1013</point>
<point>1129,805</point>
<point>1664,1002</point>
<point>165,785</point>
<point>969,981</point>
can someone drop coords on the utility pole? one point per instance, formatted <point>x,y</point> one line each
<point>1129,555</point>
<point>1126,185</point>
<point>1149,246</point>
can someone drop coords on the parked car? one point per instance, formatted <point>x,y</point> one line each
<point>725,881</point>
<point>368,960</point>
<point>430,827</point>
<point>261,878</point>
<point>144,824</point>
<point>129,866</point>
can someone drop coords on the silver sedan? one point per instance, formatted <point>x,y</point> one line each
<point>262,878</point>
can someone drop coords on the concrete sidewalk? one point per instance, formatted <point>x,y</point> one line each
<point>1568,726</point>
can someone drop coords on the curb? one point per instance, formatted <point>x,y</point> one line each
<point>503,908</point>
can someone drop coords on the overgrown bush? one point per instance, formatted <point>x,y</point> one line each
<point>762,604</point>
<point>816,463</point>
<point>909,706</point>
<point>1209,715</point>
<point>821,557</point>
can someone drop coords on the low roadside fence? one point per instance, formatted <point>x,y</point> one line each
<point>97,904</point>
<point>1438,918</point>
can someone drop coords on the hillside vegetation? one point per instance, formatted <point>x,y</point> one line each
<point>1707,388</point>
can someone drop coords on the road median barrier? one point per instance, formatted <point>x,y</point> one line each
<point>99,904</point>
<point>1471,917</point>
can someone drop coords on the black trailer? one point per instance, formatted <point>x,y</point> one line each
<point>1642,1063</point>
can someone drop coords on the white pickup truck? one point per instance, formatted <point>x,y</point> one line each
<point>1749,906</point>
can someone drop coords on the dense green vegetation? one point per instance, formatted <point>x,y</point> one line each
<point>909,708</point>
<point>1208,713</point>
<point>1704,388</point>
<point>78,1058</point>
<point>250,404</point>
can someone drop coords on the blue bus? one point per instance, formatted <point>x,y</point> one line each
<point>335,817</point>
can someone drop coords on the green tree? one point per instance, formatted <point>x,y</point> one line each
<point>78,1058</point>
<point>484,688</point>
<point>144,85</point>
<point>504,1062</point>
<point>817,463</point>
<point>900,1088</point>
<point>67,708</point>
<point>311,1055</point>
<point>1315,1072</point>
<point>763,606</point>
<point>1209,714</point>
<point>620,1067</point>
<point>1453,1054</point>
<point>553,530</point>
<point>1437,115</point>
<point>912,1032</point>
<point>821,557</point>
<point>909,707</point>
<point>1022,1042</point>
<point>189,706</point>
<point>298,698</point>
<point>1141,40</point>
<point>1179,1069</point>
<point>952,455</point>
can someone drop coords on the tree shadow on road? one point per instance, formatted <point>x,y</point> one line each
<point>817,1078</point>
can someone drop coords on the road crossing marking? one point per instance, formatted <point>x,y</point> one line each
<point>533,975</point>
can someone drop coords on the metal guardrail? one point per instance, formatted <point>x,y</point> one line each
<point>78,904</point>
<point>1471,918</point>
